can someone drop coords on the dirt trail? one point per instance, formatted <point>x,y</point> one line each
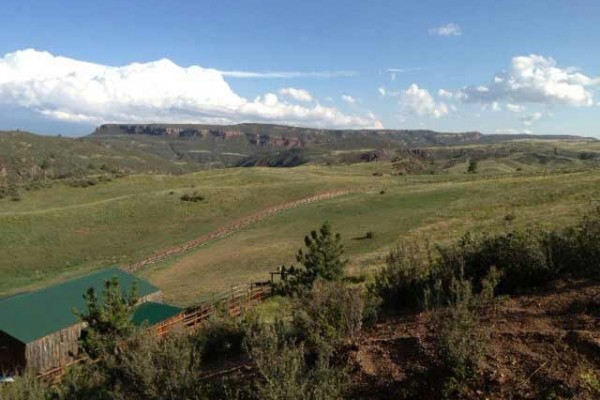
<point>229,229</point>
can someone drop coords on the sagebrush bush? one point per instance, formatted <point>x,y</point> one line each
<point>461,341</point>
<point>192,197</point>
<point>518,254</point>
<point>523,258</point>
<point>25,387</point>
<point>148,368</point>
<point>331,314</point>
<point>407,274</point>
<point>287,372</point>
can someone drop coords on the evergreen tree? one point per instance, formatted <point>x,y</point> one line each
<point>108,321</point>
<point>323,257</point>
<point>472,167</point>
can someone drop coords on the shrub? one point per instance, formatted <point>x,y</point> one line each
<point>575,251</point>
<point>285,370</point>
<point>517,254</point>
<point>472,168</point>
<point>461,341</point>
<point>523,259</point>
<point>194,197</point>
<point>148,368</point>
<point>406,276</point>
<point>330,314</point>
<point>510,217</point>
<point>590,380</point>
<point>25,387</point>
<point>221,338</point>
<point>83,182</point>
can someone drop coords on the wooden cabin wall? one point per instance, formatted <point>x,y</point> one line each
<point>60,348</point>
<point>12,354</point>
<point>54,350</point>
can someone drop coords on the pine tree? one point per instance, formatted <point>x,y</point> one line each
<point>472,169</point>
<point>107,321</point>
<point>324,255</point>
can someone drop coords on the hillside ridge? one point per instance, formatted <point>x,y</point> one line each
<point>283,136</point>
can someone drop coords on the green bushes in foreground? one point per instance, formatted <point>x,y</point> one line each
<point>524,259</point>
<point>300,355</point>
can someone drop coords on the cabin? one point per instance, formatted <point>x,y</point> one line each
<point>39,331</point>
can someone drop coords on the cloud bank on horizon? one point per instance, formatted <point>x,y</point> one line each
<point>529,81</point>
<point>70,90</point>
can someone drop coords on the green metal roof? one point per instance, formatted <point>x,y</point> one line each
<point>153,313</point>
<point>30,316</point>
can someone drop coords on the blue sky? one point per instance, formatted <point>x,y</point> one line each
<point>503,66</point>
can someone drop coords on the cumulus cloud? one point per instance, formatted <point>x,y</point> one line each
<point>296,94</point>
<point>528,120</point>
<point>381,90</point>
<point>161,91</point>
<point>418,101</point>
<point>287,74</point>
<point>446,30</point>
<point>445,94</point>
<point>515,108</point>
<point>349,99</point>
<point>535,79</point>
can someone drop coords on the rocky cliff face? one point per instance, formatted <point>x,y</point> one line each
<point>284,137</point>
<point>262,140</point>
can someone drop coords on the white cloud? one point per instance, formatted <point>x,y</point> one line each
<point>381,91</point>
<point>515,108</point>
<point>296,94</point>
<point>415,100</point>
<point>287,74</point>
<point>395,71</point>
<point>512,131</point>
<point>535,79</point>
<point>445,94</point>
<point>69,90</point>
<point>349,99</point>
<point>528,120</point>
<point>446,30</point>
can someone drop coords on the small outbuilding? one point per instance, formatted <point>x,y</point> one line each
<point>39,330</point>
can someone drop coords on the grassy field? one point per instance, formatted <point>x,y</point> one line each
<point>438,210</point>
<point>62,231</point>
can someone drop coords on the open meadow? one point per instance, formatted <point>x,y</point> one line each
<point>63,231</point>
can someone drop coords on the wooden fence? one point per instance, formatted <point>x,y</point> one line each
<point>233,302</point>
<point>227,230</point>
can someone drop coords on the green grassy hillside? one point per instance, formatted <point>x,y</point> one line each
<point>26,157</point>
<point>63,230</point>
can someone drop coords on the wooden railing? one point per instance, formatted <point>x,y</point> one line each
<point>233,302</point>
<point>227,230</point>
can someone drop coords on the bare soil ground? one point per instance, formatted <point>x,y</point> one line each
<point>542,344</point>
